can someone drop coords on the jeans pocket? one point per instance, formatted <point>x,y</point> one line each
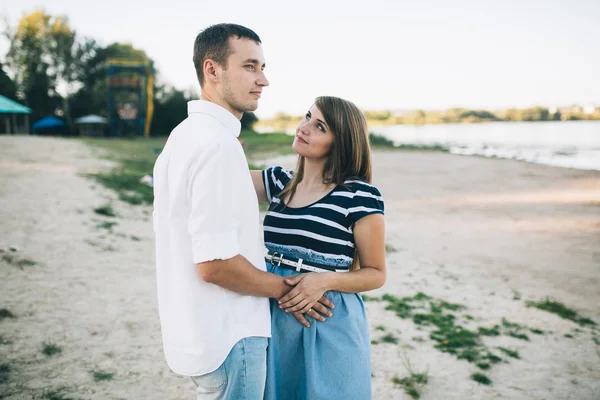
<point>212,382</point>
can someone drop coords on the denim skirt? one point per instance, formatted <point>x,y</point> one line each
<point>330,360</point>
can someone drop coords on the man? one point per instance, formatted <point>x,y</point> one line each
<point>213,289</point>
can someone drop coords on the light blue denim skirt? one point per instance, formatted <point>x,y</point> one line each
<point>330,360</point>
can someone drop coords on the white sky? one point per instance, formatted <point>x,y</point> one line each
<point>379,54</point>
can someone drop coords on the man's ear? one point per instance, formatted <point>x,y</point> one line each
<point>212,71</point>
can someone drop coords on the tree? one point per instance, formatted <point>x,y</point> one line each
<point>40,55</point>
<point>7,86</point>
<point>248,120</point>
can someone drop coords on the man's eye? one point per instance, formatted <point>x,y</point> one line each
<point>250,66</point>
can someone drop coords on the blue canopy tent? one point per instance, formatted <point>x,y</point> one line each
<point>92,125</point>
<point>49,124</point>
<point>10,111</point>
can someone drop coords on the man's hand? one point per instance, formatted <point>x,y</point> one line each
<point>309,289</point>
<point>318,311</point>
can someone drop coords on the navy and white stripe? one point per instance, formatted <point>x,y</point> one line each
<point>321,233</point>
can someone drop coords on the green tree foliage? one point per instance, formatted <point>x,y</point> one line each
<point>40,55</point>
<point>170,108</point>
<point>7,86</point>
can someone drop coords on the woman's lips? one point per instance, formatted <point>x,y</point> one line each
<point>301,140</point>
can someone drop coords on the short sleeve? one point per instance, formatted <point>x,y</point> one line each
<point>213,222</point>
<point>366,200</point>
<point>275,179</point>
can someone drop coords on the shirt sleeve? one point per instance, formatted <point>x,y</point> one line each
<point>274,180</point>
<point>213,221</point>
<point>366,200</point>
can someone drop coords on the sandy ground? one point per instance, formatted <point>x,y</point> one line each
<point>485,233</point>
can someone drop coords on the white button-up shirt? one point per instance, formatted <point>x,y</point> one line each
<point>205,208</point>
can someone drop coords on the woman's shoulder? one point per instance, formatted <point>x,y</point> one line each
<point>360,187</point>
<point>279,170</point>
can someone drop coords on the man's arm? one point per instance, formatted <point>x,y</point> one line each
<point>239,275</point>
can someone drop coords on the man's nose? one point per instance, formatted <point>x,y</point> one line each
<point>262,80</point>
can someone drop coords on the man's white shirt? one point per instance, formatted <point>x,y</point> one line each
<point>205,208</point>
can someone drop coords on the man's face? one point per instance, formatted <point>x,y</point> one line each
<point>244,78</point>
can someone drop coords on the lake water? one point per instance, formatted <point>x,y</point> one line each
<point>569,144</point>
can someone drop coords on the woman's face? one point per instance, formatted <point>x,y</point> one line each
<point>313,136</point>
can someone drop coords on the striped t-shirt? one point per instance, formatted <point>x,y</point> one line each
<point>322,232</point>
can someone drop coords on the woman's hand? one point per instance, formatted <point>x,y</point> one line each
<point>309,289</point>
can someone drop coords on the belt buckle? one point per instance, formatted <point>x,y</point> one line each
<point>275,260</point>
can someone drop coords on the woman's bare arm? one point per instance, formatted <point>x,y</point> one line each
<point>259,187</point>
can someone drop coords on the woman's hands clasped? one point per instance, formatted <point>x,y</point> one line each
<point>307,297</point>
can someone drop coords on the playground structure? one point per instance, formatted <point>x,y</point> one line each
<point>130,97</point>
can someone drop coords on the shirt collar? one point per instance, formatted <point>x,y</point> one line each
<point>216,111</point>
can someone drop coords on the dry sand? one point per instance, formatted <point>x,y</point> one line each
<point>485,233</point>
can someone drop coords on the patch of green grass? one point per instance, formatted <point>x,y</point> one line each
<point>448,336</point>
<point>265,144</point>
<point>596,340</point>
<point>25,262</point>
<point>414,382</point>
<point>4,372</point>
<point>374,342</point>
<point>494,331</point>
<point>56,395</point>
<point>100,376</point>
<point>481,378</point>
<point>561,310</point>
<point>389,338</point>
<point>4,341</point>
<point>4,313</point>
<point>508,324</point>
<point>380,141</point>
<point>380,328</point>
<point>135,158</point>
<point>452,339</point>
<point>537,331</point>
<point>106,225</point>
<point>51,349</point>
<point>509,352</point>
<point>568,335</point>
<point>389,248</point>
<point>518,335</point>
<point>366,297</point>
<point>135,238</point>
<point>105,210</point>
<point>483,365</point>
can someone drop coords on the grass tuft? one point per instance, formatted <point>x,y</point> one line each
<point>100,376</point>
<point>4,372</point>
<point>105,210</point>
<point>481,378</point>
<point>51,349</point>
<point>4,313</point>
<point>561,310</point>
<point>510,353</point>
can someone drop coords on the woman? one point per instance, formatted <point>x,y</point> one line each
<point>322,221</point>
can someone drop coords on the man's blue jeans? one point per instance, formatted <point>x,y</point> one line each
<point>242,375</point>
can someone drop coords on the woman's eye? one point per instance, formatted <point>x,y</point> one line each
<point>321,127</point>
<point>307,116</point>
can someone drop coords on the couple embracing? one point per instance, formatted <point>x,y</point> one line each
<point>286,323</point>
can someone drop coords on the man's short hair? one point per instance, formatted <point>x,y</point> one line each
<point>213,43</point>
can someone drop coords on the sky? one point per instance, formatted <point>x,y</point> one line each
<point>380,54</point>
